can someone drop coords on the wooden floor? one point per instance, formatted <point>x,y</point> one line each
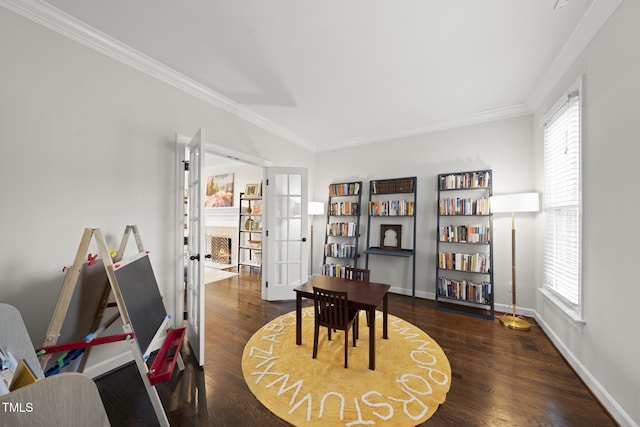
<point>500,377</point>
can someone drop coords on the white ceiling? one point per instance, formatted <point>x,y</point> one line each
<point>331,73</point>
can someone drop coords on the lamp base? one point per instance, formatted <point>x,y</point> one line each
<point>514,322</point>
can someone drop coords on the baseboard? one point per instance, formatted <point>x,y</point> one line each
<point>616,411</point>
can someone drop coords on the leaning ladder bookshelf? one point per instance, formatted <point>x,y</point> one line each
<point>464,265</point>
<point>342,234</point>
<point>392,204</point>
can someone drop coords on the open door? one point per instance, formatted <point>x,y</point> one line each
<point>195,247</point>
<point>285,260</point>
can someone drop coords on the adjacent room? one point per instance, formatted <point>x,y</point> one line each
<point>319,213</point>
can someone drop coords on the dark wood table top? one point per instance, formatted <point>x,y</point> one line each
<point>360,293</point>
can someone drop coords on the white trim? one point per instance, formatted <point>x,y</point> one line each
<point>616,411</point>
<point>571,316</point>
<point>587,28</point>
<point>227,152</point>
<point>74,29</point>
<point>437,125</point>
<point>62,23</point>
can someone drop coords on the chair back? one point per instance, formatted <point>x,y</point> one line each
<point>357,274</point>
<point>331,308</point>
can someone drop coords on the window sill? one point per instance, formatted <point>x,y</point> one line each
<point>572,317</point>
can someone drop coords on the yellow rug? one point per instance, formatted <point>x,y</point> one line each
<point>412,375</point>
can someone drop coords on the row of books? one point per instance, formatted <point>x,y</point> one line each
<point>347,229</point>
<point>392,208</point>
<point>333,270</point>
<point>465,290</point>
<point>340,250</point>
<point>14,373</point>
<point>464,234</point>
<point>461,181</point>
<point>343,208</point>
<point>392,186</point>
<point>344,189</point>
<point>477,263</point>
<point>462,206</point>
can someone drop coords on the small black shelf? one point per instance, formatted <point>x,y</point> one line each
<point>401,253</point>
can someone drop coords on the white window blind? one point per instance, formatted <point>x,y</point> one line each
<point>562,201</point>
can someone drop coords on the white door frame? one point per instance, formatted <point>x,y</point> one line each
<point>182,141</point>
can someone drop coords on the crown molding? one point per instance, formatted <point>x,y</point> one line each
<point>56,20</point>
<point>436,125</point>
<point>595,18</point>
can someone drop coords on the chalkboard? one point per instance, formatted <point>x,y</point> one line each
<point>142,299</point>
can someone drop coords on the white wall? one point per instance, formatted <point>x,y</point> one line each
<point>88,142</point>
<point>606,352</point>
<point>504,146</point>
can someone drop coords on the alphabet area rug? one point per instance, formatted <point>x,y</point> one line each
<point>411,379</point>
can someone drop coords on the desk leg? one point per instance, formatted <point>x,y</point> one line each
<point>298,318</point>
<point>372,338</point>
<point>385,315</point>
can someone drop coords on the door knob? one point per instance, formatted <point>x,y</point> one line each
<point>195,257</point>
<point>304,239</point>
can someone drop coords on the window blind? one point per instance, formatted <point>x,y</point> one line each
<point>562,202</point>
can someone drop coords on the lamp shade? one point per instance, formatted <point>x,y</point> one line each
<point>316,208</point>
<point>519,202</point>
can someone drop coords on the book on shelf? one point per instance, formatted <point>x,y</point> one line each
<point>343,208</point>
<point>392,208</point>
<point>465,290</point>
<point>464,234</point>
<point>22,376</point>
<point>403,185</point>
<point>464,206</point>
<point>340,250</point>
<point>466,180</point>
<point>344,189</point>
<point>333,270</point>
<point>342,229</point>
<point>475,263</point>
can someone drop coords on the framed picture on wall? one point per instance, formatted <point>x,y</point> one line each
<point>252,190</point>
<point>219,192</point>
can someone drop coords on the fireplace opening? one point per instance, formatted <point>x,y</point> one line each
<point>221,249</point>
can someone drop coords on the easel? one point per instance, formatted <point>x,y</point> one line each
<point>169,352</point>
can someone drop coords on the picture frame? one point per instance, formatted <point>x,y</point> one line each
<point>219,191</point>
<point>391,237</point>
<point>252,190</point>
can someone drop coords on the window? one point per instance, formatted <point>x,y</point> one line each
<point>563,202</point>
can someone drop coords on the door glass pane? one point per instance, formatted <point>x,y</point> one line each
<point>280,251</point>
<point>281,273</point>
<point>295,229</point>
<point>294,274</point>
<point>281,229</point>
<point>281,185</point>
<point>295,184</point>
<point>295,207</point>
<point>295,251</point>
<point>280,207</point>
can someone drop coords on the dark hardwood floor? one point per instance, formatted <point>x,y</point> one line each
<point>500,377</point>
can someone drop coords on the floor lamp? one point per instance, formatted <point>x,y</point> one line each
<point>521,202</point>
<point>315,208</point>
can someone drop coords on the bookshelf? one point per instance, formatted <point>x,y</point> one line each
<point>391,221</point>
<point>250,233</point>
<point>342,234</point>
<point>464,265</point>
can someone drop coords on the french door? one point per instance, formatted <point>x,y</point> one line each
<point>285,259</point>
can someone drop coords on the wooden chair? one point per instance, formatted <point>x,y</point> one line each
<point>359,275</point>
<point>332,311</point>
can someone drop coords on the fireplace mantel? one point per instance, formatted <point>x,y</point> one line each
<point>221,217</point>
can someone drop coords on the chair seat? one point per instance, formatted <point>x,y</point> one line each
<point>329,313</point>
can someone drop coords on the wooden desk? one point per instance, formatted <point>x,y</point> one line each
<point>361,296</point>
